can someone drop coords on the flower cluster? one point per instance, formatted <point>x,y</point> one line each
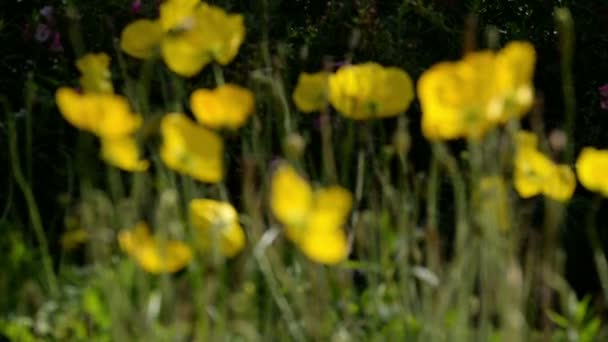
<point>468,97</point>
<point>313,219</point>
<point>190,35</point>
<point>536,174</point>
<point>215,223</point>
<point>359,92</point>
<point>99,111</point>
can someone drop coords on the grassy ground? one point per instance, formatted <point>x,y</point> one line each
<point>430,258</point>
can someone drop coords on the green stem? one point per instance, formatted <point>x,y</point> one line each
<point>33,211</point>
<point>565,26</point>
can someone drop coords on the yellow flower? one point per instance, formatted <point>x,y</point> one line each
<point>105,115</point>
<point>95,71</point>
<point>140,38</point>
<point>536,174</point>
<point>592,168</point>
<point>190,34</point>
<point>313,219</point>
<point>310,94</point>
<point>217,221</point>
<point>191,149</point>
<point>227,106</point>
<point>368,91</point>
<point>151,254</point>
<point>468,97</point>
<point>122,152</point>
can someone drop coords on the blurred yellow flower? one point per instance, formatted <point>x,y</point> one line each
<point>468,97</point>
<point>95,71</point>
<point>123,153</point>
<point>73,238</point>
<point>313,219</point>
<point>217,221</point>
<point>191,149</point>
<point>190,35</point>
<point>227,106</point>
<point>592,169</point>
<point>369,90</point>
<point>150,253</point>
<point>310,94</point>
<point>536,174</point>
<point>105,115</point>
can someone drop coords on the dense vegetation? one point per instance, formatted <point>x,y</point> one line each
<point>419,248</point>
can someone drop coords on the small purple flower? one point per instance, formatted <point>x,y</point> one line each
<point>136,7</point>
<point>47,12</point>
<point>604,96</point>
<point>43,33</point>
<point>56,45</point>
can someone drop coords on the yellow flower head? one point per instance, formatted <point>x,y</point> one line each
<point>468,97</point>
<point>123,153</point>
<point>536,174</point>
<point>151,254</point>
<point>191,149</point>
<point>190,34</point>
<point>95,71</point>
<point>227,106</point>
<point>592,169</point>
<point>310,94</point>
<point>105,115</point>
<point>313,219</point>
<point>369,90</point>
<point>217,221</point>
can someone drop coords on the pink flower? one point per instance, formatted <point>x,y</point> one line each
<point>56,45</point>
<point>603,96</point>
<point>135,7</point>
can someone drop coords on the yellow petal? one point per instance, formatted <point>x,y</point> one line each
<point>531,171</point>
<point>310,94</point>
<point>227,106</point>
<point>95,70</point>
<point>183,56</point>
<point>177,14</point>
<point>123,153</point>
<point>526,139</point>
<point>220,34</point>
<point>333,201</point>
<point>592,169</point>
<point>560,184</point>
<point>368,91</point>
<point>217,220</point>
<point>290,196</point>
<point>514,75</point>
<point>105,115</point>
<point>191,149</point>
<point>323,241</point>
<point>152,255</point>
<point>140,38</point>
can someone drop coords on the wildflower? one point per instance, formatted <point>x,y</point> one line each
<point>227,106</point>
<point>591,168</point>
<point>536,174</point>
<point>105,115</point>
<point>122,152</point>
<point>191,149</point>
<point>95,71</point>
<point>56,45</point>
<point>190,35</point>
<point>368,91</point>
<point>469,97</point>
<point>217,221</point>
<point>310,94</point>
<point>135,7</point>
<point>313,219</point>
<point>603,90</point>
<point>152,254</point>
